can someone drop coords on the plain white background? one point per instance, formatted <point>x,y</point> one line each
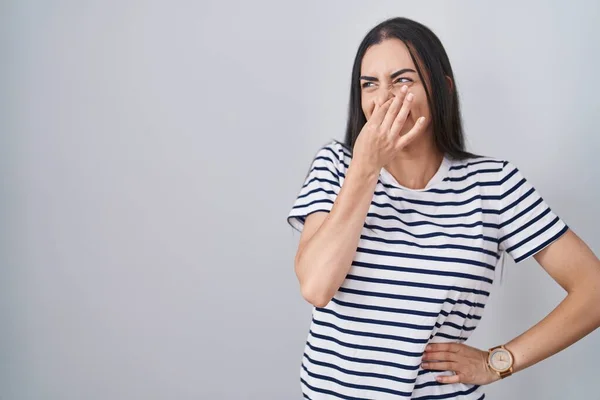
<point>150,153</point>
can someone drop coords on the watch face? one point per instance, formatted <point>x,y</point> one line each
<point>501,360</point>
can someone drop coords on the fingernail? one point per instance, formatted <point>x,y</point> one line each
<point>424,365</point>
<point>410,96</point>
<point>421,120</point>
<point>404,89</point>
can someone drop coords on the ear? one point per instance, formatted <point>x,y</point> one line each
<point>450,83</point>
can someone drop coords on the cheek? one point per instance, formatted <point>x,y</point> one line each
<point>367,106</point>
<point>421,109</point>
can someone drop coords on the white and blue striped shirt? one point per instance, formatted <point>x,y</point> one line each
<point>422,273</point>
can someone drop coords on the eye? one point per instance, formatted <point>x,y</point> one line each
<point>366,84</point>
<point>403,80</point>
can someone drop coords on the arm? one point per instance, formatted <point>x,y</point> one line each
<point>329,240</point>
<point>574,267</point>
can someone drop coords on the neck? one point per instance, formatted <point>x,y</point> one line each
<point>416,164</point>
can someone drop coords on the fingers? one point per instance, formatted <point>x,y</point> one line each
<point>400,118</point>
<point>439,356</point>
<point>395,107</point>
<point>451,347</point>
<point>379,112</point>
<point>448,378</point>
<point>440,366</point>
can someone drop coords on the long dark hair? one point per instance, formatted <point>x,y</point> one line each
<point>427,53</point>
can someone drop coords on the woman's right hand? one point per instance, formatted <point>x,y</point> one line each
<point>379,140</point>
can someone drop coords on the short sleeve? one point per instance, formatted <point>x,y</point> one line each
<point>526,223</point>
<point>321,186</point>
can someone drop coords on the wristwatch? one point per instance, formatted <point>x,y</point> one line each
<point>501,360</point>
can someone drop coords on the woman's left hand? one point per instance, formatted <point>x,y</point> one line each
<point>468,363</point>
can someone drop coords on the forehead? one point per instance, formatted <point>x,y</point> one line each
<point>386,57</point>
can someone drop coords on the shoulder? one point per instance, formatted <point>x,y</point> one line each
<point>477,168</point>
<point>336,152</point>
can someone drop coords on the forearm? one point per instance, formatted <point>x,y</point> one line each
<point>324,261</point>
<point>575,317</point>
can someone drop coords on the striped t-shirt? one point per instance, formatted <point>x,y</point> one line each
<point>422,273</point>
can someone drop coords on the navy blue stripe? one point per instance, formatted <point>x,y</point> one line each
<point>410,298</point>
<point>333,151</point>
<point>350,385</point>
<point>457,167</point>
<point>376,321</point>
<point>427,258</point>
<point>442,246</point>
<point>464,177</point>
<point>317,168</point>
<point>455,326</point>
<point>384,309</point>
<point>325,158</point>
<point>453,395</point>
<point>417,284</point>
<point>518,201</point>
<point>524,212</point>
<point>478,184</point>
<point>326,201</point>
<point>413,211</point>
<point>446,191</point>
<point>458,203</point>
<point>541,246</point>
<point>363,361</point>
<point>422,222</point>
<point>466,188</point>
<point>317,179</point>
<point>430,203</point>
<point>460,314</point>
<point>533,236</point>
<point>356,373</point>
<point>427,384</point>
<point>513,189</point>
<point>344,150</point>
<point>317,190</point>
<point>451,337</point>
<point>363,347</point>
<point>524,226</point>
<point>368,334</point>
<point>328,392</point>
<point>421,271</point>
<point>435,383</point>
<point>404,310</point>
<point>431,235</point>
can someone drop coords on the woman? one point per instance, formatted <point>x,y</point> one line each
<point>402,229</point>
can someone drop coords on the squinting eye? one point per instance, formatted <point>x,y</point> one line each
<point>364,85</point>
<point>403,80</point>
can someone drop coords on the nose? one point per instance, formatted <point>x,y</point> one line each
<point>384,95</point>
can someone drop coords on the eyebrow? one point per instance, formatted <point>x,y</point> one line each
<point>395,74</point>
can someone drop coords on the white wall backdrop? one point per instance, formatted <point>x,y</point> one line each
<point>150,152</point>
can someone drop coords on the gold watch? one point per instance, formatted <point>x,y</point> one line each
<point>501,360</point>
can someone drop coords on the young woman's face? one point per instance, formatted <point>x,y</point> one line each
<point>385,68</point>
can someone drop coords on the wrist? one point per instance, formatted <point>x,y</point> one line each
<point>500,361</point>
<point>363,170</point>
